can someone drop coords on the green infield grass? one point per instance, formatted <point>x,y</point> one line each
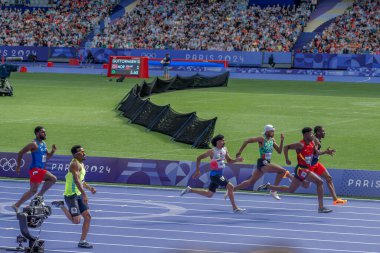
<point>79,109</point>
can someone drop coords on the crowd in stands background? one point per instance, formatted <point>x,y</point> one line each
<point>66,24</point>
<point>190,25</point>
<point>354,32</point>
<point>206,25</point>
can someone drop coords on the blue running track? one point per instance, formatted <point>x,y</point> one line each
<point>138,219</point>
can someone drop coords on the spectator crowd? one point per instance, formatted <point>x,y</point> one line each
<point>190,25</point>
<point>206,25</point>
<point>354,32</point>
<point>66,24</point>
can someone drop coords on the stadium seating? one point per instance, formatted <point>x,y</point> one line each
<point>354,32</point>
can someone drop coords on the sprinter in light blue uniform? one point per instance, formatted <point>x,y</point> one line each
<point>37,171</point>
<point>218,155</point>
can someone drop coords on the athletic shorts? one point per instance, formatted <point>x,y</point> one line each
<point>75,205</point>
<point>166,70</point>
<point>301,172</point>
<point>216,181</point>
<point>261,162</point>
<point>37,175</point>
<point>318,168</point>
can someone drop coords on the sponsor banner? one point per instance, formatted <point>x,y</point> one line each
<point>178,173</point>
<point>310,72</point>
<point>234,58</point>
<point>335,61</point>
<point>42,53</point>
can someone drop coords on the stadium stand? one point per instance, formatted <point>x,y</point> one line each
<point>206,25</point>
<point>65,23</point>
<point>354,32</point>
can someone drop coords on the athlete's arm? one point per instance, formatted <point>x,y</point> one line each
<point>90,188</point>
<point>50,154</point>
<point>229,160</point>
<point>248,141</point>
<point>208,153</point>
<point>295,146</point>
<point>29,147</point>
<point>279,148</point>
<point>328,151</point>
<point>74,169</point>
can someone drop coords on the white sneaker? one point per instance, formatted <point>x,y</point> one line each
<point>275,195</point>
<point>239,210</point>
<point>225,196</point>
<point>14,208</point>
<point>186,190</point>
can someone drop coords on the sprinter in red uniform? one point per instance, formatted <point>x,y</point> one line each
<point>305,150</point>
<point>318,168</point>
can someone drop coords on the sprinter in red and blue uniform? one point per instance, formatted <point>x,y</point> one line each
<point>37,171</point>
<point>305,150</point>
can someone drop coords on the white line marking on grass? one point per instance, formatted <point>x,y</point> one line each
<point>366,80</point>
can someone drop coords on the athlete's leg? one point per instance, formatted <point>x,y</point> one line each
<point>206,193</point>
<point>27,195</point>
<point>49,179</point>
<point>230,193</point>
<point>257,174</point>
<point>305,184</point>
<point>274,168</point>
<point>291,188</point>
<point>330,184</point>
<point>314,178</point>
<point>86,224</point>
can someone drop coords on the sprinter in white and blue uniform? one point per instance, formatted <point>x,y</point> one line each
<point>218,155</point>
<point>37,171</point>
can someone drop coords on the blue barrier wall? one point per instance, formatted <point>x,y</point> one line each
<point>234,58</point>
<point>178,173</point>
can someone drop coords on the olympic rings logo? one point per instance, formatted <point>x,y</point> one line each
<point>10,164</point>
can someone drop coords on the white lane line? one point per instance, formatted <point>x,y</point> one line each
<point>129,216</point>
<point>139,246</point>
<point>197,225</point>
<point>205,241</point>
<point>175,209</point>
<point>220,199</point>
<point>162,189</point>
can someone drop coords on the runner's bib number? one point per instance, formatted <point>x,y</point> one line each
<point>308,159</point>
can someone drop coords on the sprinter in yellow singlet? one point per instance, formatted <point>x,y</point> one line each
<point>75,197</point>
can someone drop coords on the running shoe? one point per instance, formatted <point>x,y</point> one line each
<point>225,196</point>
<point>340,202</point>
<point>15,208</point>
<point>239,210</point>
<point>324,210</point>
<point>287,174</point>
<point>58,203</point>
<point>84,244</point>
<point>275,195</point>
<point>186,190</point>
<point>263,187</point>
